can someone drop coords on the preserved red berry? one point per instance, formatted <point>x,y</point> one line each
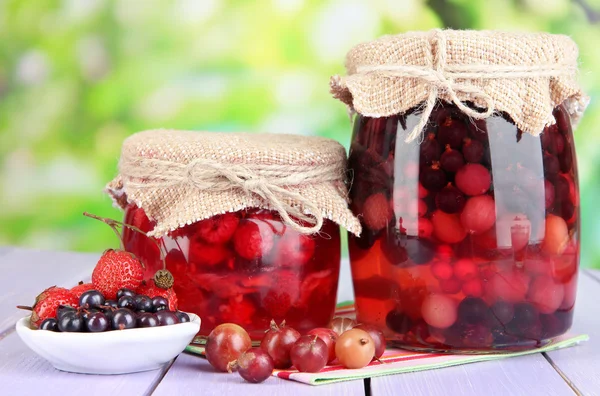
<point>479,214</point>
<point>430,150</point>
<point>450,199</point>
<point>473,179</point>
<point>432,177</point>
<point>451,160</point>
<point>472,150</point>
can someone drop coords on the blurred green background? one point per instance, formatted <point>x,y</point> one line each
<point>78,76</point>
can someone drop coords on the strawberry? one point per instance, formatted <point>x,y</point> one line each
<point>253,239</point>
<point>115,270</point>
<point>295,250</point>
<point>218,229</point>
<point>377,212</point>
<point>81,288</point>
<point>149,288</point>
<point>47,303</point>
<point>202,253</point>
<point>282,295</point>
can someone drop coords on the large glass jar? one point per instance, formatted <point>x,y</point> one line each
<point>470,237</point>
<point>245,267</point>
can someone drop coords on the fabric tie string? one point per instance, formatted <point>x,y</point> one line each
<point>441,79</point>
<point>266,181</point>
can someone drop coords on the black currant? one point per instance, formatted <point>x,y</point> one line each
<point>159,303</point>
<point>63,309</point>
<point>111,303</point>
<point>167,318</point>
<point>97,322</point>
<point>147,319</point>
<point>143,303</point>
<point>183,317</point>
<point>49,324</point>
<point>123,318</point>
<point>70,322</point>
<point>125,292</point>
<point>91,299</point>
<point>127,302</point>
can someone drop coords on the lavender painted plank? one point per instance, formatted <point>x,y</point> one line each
<point>581,364</point>
<point>24,373</point>
<point>28,272</point>
<point>525,375</point>
<point>191,375</point>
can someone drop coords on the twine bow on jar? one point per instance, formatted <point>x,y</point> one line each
<point>426,64</point>
<point>266,181</point>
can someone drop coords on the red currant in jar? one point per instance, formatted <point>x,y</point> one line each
<point>488,261</point>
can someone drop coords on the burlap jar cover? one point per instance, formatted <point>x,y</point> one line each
<point>525,75</point>
<point>180,177</point>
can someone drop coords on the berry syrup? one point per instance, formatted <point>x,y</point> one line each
<point>246,268</point>
<point>470,237</point>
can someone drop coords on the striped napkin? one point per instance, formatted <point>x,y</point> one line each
<point>397,361</point>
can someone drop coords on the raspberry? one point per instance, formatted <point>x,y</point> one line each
<point>222,286</point>
<point>116,270</point>
<point>48,301</point>
<point>315,284</point>
<point>253,239</point>
<point>81,288</point>
<point>282,295</point>
<point>149,288</point>
<point>218,229</point>
<point>295,250</point>
<point>202,253</point>
<point>377,212</point>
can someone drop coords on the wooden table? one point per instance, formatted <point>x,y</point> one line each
<point>24,273</point>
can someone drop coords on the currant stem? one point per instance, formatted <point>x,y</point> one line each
<point>112,223</point>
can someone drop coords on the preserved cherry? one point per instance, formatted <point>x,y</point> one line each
<point>489,259</point>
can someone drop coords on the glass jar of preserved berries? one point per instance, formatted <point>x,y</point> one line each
<point>248,224</point>
<point>470,215</point>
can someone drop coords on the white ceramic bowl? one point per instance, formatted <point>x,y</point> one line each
<point>110,352</point>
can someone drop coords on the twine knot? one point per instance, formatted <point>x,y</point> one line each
<point>439,81</point>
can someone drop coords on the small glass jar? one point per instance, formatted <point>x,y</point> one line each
<point>470,238</point>
<point>247,224</point>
